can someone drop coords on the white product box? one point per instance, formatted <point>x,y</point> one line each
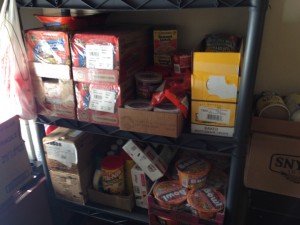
<point>141,186</point>
<point>147,159</point>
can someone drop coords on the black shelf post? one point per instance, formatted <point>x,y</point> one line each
<point>236,191</point>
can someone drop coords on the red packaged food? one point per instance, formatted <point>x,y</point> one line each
<point>48,46</point>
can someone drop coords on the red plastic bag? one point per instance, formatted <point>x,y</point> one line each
<point>16,94</point>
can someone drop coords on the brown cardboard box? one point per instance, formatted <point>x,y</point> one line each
<point>54,97</point>
<point>15,169</point>
<point>125,202</point>
<point>72,187</point>
<point>273,159</point>
<point>149,122</point>
<point>69,150</point>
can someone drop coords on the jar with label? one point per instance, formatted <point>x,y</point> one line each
<point>146,83</point>
<point>113,174</point>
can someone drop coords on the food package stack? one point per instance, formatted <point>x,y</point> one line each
<point>49,56</point>
<point>104,64</point>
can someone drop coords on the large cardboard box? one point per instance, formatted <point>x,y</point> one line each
<point>125,202</point>
<point>149,122</point>
<point>213,118</point>
<point>54,97</point>
<point>72,187</point>
<point>273,158</point>
<point>216,76</point>
<point>68,150</point>
<point>15,169</point>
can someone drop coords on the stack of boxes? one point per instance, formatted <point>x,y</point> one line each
<point>69,159</point>
<point>165,45</point>
<point>15,169</point>
<point>215,82</point>
<point>104,65</point>
<point>49,57</point>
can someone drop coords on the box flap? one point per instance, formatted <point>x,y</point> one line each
<point>277,127</point>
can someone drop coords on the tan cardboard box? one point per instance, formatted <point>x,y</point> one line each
<point>71,187</point>
<point>149,122</point>
<point>273,159</point>
<point>15,169</point>
<point>125,202</point>
<point>54,97</point>
<point>69,150</point>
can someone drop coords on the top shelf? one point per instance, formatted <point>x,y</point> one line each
<point>133,5</point>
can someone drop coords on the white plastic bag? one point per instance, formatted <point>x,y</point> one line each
<point>16,94</point>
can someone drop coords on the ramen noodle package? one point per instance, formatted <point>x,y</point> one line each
<point>206,202</point>
<point>47,46</point>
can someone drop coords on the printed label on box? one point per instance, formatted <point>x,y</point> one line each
<point>213,115</point>
<point>100,56</point>
<point>102,100</point>
<point>63,152</point>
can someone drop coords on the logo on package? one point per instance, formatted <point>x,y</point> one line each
<point>286,165</point>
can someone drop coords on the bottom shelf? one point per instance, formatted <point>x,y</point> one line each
<point>108,214</point>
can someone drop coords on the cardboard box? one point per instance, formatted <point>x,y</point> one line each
<point>216,76</point>
<point>54,97</point>
<point>55,71</point>
<point>213,118</point>
<point>149,122</point>
<point>179,216</point>
<point>71,187</point>
<point>273,158</point>
<point>125,202</point>
<point>30,207</point>
<point>15,169</point>
<point>69,150</point>
<point>46,46</point>
<point>141,186</point>
<point>152,163</point>
<point>165,40</point>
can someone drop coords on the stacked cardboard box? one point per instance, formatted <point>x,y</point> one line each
<point>215,83</point>
<point>104,65</point>
<point>49,56</point>
<point>15,169</point>
<point>69,159</point>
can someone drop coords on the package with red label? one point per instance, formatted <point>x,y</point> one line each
<point>175,90</point>
<point>99,102</point>
<point>182,62</point>
<point>48,46</point>
<point>108,49</point>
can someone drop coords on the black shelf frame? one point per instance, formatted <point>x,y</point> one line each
<point>237,146</point>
